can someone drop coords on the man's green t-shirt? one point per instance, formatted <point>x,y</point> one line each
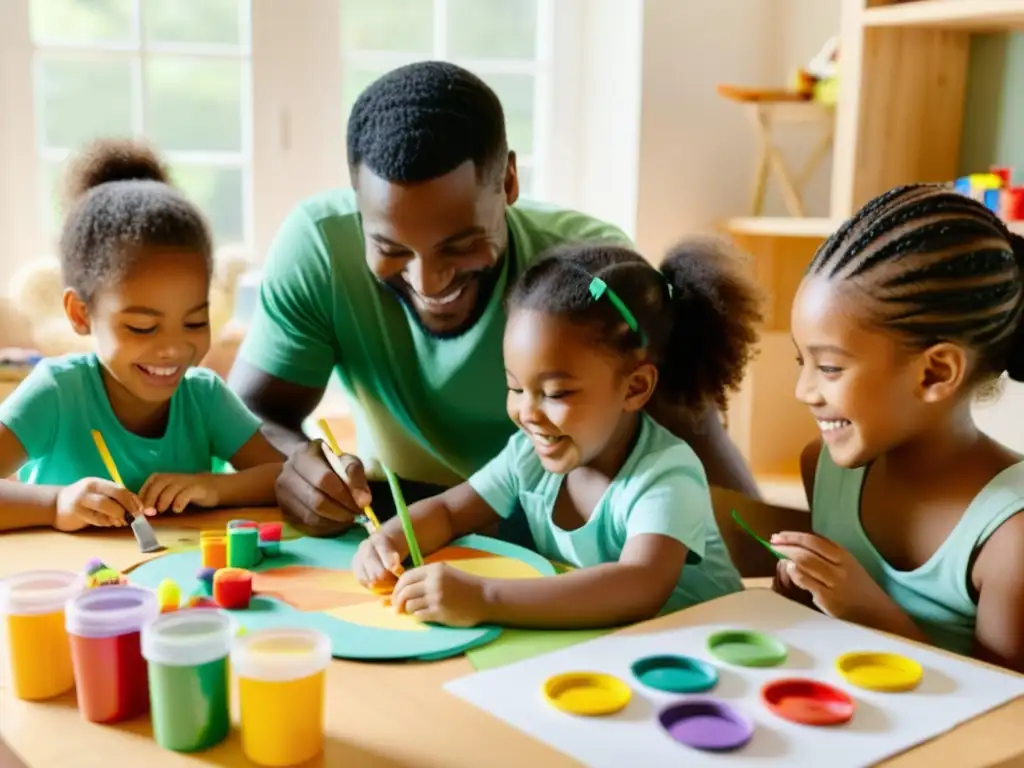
<point>432,410</point>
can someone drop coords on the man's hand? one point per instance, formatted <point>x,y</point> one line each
<point>321,493</point>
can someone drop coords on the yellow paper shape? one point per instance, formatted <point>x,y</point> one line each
<point>496,568</point>
<point>378,616</point>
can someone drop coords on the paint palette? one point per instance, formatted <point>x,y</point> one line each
<point>713,724</point>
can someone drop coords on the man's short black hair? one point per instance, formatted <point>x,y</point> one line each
<point>422,121</point>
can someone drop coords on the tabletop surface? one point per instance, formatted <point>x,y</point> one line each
<point>393,714</point>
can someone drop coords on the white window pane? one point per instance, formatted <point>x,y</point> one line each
<point>192,21</point>
<point>87,21</point>
<point>52,196</point>
<point>354,81</point>
<point>525,181</point>
<point>387,25</point>
<point>220,195</point>
<point>81,99</point>
<point>516,94</point>
<point>194,104</point>
<point>492,29</point>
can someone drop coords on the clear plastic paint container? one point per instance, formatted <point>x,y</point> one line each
<point>187,658</point>
<point>32,609</point>
<point>281,693</point>
<point>104,626</point>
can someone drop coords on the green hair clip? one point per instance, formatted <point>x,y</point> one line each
<point>599,288</point>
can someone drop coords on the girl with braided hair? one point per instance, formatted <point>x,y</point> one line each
<point>905,312</point>
<point>595,338</point>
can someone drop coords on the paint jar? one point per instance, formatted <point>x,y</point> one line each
<point>32,608</point>
<point>104,626</point>
<point>213,545</point>
<point>281,693</point>
<point>243,547</point>
<point>187,655</point>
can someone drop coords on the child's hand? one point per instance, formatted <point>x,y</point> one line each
<point>94,501</point>
<point>838,584</point>
<point>377,564</point>
<point>441,594</point>
<point>175,492</point>
<point>783,585</point>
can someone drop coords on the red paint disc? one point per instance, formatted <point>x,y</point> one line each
<point>807,702</point>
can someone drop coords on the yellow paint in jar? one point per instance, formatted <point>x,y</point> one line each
<point>281,693</point>
<point>32,607</point>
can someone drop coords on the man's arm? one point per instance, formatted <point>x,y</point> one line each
<point>723,463</point>
<point>280,404</point>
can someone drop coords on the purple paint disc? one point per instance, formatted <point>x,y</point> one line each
<point>706,724</point>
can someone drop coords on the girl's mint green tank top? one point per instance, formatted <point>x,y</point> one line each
<point>935,595</point>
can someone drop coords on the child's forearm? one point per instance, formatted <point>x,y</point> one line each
<point>27,506</point>
<point>253,486</point>
<point>889,617</point>
<point>604,595</point>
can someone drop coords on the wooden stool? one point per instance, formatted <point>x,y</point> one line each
<point>769,109</point>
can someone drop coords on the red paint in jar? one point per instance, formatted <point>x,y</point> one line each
<point>104,627</point>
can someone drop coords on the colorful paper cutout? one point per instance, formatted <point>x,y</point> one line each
<point>309,584</point>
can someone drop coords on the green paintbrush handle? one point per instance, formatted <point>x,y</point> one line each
<point>403,515</point>
<point>762,542</point>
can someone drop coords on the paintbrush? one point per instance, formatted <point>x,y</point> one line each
<point>336,450</point>
<point>140,525</point>
<point>403,514</point>
<point>762,542</point>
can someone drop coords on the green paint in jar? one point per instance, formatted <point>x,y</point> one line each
<point>187,657</point>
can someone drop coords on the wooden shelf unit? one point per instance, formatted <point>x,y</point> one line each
<point>899,117</point>
<point>969,15</point>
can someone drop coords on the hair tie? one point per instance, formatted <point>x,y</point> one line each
<point>599,288</point>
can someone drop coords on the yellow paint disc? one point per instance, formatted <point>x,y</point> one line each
<point>587,693</point>
<point>873,671</point>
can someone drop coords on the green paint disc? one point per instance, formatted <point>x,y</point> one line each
<point>747,648</point>
<point>675,674</point>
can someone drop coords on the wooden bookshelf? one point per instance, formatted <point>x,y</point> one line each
<point>961,15</point>
<point>899,119</point>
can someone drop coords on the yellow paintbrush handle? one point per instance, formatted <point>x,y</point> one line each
<point>329,437</point>
<point>101,445</point>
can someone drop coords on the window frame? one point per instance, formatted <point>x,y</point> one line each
<point>292,93</point>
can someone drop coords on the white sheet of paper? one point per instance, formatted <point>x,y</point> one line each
<point>952,691</point>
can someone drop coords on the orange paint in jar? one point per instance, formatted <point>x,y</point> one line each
<point>32,607</point>
<point>104,626</point>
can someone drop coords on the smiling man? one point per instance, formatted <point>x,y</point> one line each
<point>396,287</point>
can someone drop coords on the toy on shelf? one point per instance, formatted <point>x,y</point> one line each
<point>98,574</point>
<point>819,80</point>
<point>995,190</point>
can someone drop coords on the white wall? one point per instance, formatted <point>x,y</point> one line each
<point>660,153</point>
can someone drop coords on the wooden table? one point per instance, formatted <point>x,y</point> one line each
<point>377,714</point>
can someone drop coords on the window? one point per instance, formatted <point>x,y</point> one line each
<point>247,101</point>
<point>504,42</point>
<point>173,71</point>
